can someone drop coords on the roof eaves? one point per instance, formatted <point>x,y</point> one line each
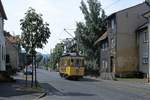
<point>2,10</point>
<point>146,14</point>
<point>123,10</point>
<point>103,37</point>
<point>144,26</point>
<point>110,16</point>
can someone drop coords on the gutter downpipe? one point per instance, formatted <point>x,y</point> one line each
<point>148,50</point>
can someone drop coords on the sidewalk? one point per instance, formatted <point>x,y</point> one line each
<point>127,82</point>
<point>17,90</point>
<point>127,85</point>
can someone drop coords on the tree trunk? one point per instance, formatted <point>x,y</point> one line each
<point>26,75</point>
<point>32,71</point>
<point>35,71</point>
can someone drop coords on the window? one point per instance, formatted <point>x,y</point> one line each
<point>145,37</point>
<point>103,64</point>
<point>2,52</point>
<point>112,43</point>
<point>145,60</point>
<point>112,23</point>
<point>106,64</point>
<point>7,58</point>
<point>104,46</point>
<point>109,24</point>
<point>77,63</point>
<point>82,62</point>
<point>72,62</point>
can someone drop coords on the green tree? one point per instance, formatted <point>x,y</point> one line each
<point>34,34</point>
<point>89,31</point>
<point>55,55</point>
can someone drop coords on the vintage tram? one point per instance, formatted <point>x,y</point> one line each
<point>71,66</point>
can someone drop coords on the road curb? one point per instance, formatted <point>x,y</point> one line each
<point>42,95</point>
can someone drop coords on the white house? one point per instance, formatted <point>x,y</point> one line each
<point>2,39</point>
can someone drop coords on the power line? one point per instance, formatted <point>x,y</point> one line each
<point>70,29</point>
<point>68,33</point>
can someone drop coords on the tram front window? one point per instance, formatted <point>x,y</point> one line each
<point>77,63</point>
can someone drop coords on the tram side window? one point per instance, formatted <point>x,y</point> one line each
<point>77,63</point>
<point>82,62</point>
<point>72,62</point>
<point>68,62</point>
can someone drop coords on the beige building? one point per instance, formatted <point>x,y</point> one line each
<point>143,33</point>
<point>2,39</point>
<point>12,52</point>
<point>122,59</point>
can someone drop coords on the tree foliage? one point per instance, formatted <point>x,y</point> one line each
<point>91,29</point>
<point>55,55</point>
<point>34,31</point>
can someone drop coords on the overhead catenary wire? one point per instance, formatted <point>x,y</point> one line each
<point>68,33</point>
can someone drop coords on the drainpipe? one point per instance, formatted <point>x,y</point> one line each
<point>149,50</point>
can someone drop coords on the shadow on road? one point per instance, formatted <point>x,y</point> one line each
<point>89,80</point>
<point>53,91</point>
<point>14,89</point>
<point>84,80</point>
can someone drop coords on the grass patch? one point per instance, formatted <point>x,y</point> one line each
<point>38,87</point>
<point>35,88</point>
<point>115,79</point>
<point>130,79</point>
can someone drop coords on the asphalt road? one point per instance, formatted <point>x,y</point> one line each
<point>89,89</point>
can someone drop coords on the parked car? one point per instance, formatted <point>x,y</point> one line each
<point>28,70</point>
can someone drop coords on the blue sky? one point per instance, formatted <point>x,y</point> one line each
<point>59,14</point>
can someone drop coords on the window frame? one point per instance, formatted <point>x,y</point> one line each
<point>145,59</point>
<point>145,37</point>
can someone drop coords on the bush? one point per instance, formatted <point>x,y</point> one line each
<point>92,72</point>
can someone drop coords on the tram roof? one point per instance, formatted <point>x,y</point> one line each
<point>71,55</point>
